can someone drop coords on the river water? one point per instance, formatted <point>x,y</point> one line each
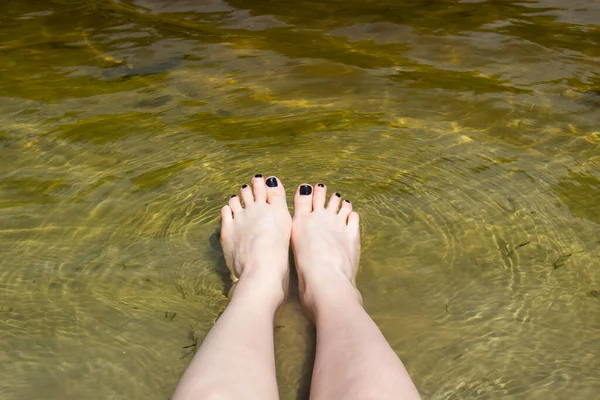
<point>466,133</point>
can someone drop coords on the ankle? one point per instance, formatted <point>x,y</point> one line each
<point>258,285</point>
<point>332,294</point>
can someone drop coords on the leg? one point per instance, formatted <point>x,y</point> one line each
<point>236,360</point>
<point>353,361</point>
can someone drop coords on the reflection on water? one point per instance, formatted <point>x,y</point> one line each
<point>465,132</point>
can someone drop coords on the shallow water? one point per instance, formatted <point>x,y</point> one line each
<point>467,134</point>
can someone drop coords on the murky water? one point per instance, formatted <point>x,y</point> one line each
<point>466,133</point>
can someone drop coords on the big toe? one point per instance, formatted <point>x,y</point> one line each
<point>303,200</point>
<point>275,191</point>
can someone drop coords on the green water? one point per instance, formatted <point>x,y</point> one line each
<point>467,134</point>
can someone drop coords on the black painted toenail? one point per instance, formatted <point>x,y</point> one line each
<point>272,182</point>
<point>233,195</point>
<point>258,176</point>
<point>337,194</point>
<point>347,201</point>
<point>305,190</point>
<point>320,185</point>
<point>244,186</point>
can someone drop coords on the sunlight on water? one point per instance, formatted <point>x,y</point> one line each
<point>466,133</point>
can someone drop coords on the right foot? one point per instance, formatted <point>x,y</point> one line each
<point>326,243</point>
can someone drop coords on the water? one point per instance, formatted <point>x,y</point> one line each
<point>465,133</point>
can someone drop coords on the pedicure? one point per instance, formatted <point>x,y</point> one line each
<point>347,201</point>
<point>337,194</point>
<point>320,185</point>
<point>233,195</point>
<point>272,182</point>
<point>258,176</point>
<point>244,186</point>
<point>305,190</point>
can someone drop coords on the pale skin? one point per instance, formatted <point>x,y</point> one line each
<point>236,360</point>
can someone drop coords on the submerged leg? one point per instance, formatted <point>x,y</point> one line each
<point>353,360</point>
<point>236,360</point>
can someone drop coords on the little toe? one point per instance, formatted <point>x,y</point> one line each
<point>235,204</point>
<point>319,196</point>
<point>353,221</point>
<point>346,209</point>
<point>247,195</point>
<point>334,202</point>
<point>259,188</point>
<point>275,191</point>
<point>303,200</point>
<point>226,214</point>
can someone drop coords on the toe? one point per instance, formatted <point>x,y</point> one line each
<point>247,195</point>
<point>353,221</point>
<point>234,204</point>
<point>346,209</point>
<point>259,188</point>
<point>275,191</point>
<point>334,202</point>
<point>226,214</point>
<point>303,200</point>
<point>319,196</point>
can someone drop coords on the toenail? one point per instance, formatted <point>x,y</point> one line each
<point>244,186</point>
<point>337,194</point>
<point>272,182</point>
<point>258,176</point>
<point>233,195</point>
<point>320,185</point>
<point>347,201</point>
<point>305,190</point>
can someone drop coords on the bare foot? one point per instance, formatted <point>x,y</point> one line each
<point>256,236</point>
<point>326,243</point>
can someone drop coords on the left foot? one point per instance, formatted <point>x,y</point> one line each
<point>255,236</point>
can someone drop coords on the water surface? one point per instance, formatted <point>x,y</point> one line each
<point>466,133</point>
